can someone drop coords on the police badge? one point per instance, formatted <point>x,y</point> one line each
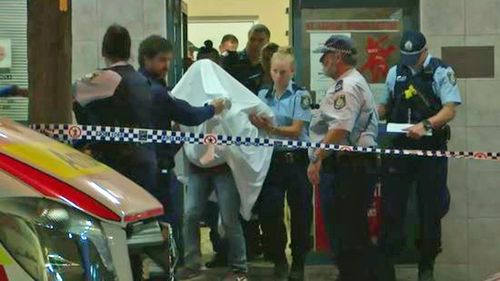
<point>340,102</point>
<point>305,102</point>
<point>452,78</point>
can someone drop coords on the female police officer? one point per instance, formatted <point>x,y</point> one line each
<point>288,172</point>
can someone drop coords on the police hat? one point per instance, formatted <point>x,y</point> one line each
<point>337,43</point>
<point>412,44</point>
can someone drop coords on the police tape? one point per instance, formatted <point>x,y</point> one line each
<point>71,133</point>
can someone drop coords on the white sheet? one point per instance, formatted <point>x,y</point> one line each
<point>203,82</point>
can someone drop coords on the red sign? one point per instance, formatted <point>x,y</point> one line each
<point>353,25</point>
<point>376,63</point>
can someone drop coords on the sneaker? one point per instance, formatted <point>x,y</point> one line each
<point>187,273</point>
<point>281,270</point>
<point>217,261</point>
<point>235,276</point>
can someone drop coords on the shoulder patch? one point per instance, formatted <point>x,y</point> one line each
<point>339,102</point>
<point>305,102</point>
<point>90,76</point>
<point>339,86</point>
<point>451,77</point>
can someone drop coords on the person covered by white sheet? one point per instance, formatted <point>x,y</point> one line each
<point>236,172</point>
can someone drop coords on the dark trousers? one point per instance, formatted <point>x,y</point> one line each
<point>348,181</point>
<point>286,178</point>
<point>171,194</point>
<point>400,174</point>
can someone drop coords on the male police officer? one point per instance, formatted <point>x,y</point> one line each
<point>128,104</point>
<point>245,66</point>
<point>347,115</point>
<point>421,90</point>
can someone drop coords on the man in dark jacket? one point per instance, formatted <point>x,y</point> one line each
<point>155,55</point>
<point>126,102</point>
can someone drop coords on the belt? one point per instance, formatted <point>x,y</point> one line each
<point>289,157</point>
<point>350,159</point>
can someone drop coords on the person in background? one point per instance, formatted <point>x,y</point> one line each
<point>13,91</point>
<point>189,56</point>
<point>288,172</point>
<point>229,43</point>
<point>245,66</point>
<point>208,52</point>
<point>265,60</point>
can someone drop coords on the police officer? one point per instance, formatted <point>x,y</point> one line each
<point>228,43</point>
<point>129,105</point>
<point>155,55</point>
<point>288,172</point>
<point>421,90</point>
<point>347,115</point>
<point>245,66</point>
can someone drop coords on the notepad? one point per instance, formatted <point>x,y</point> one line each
<point>400,128</point>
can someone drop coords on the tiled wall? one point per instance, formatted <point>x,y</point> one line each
<point>471,231</point>
<point>91,18</point>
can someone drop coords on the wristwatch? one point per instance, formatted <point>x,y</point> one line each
<point>427,124</point>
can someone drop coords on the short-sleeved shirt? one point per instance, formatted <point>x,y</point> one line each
<point>294,104</point>
<point>444,84</point>
<point>241,68</point>
<point>348,105</point>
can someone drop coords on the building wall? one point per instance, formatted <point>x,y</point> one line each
<point>91,18</point>
<point>471,229</point>
<point>271,13</point>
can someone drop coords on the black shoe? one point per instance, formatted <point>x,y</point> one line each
<point>217,261</point>
<point>297,272</point>
<point>426,275</point>
<point>426,271</point>
<point>296,275</point>
<point>281,270</point>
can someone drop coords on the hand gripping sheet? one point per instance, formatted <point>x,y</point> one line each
<point>203,82</point>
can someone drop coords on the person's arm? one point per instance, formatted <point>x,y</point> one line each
<point>188,115</point>
<point>341,108</point>
<point>181,111</point>
<point>301,116</point>
<point>292,131</point>
<point>7,91</point>
<point>449,94</point>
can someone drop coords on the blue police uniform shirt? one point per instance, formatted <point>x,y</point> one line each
<point>444,85</point>
<point>294,104</point>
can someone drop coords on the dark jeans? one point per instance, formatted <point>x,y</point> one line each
<point>288,179</point>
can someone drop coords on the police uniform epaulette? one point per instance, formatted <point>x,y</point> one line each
<point>296,88</point>
<point>339,86</point>
<point>91,75</point>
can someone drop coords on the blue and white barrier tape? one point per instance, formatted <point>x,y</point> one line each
<point>69,132</point>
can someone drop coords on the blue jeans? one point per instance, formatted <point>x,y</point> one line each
<point>198,190</point>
